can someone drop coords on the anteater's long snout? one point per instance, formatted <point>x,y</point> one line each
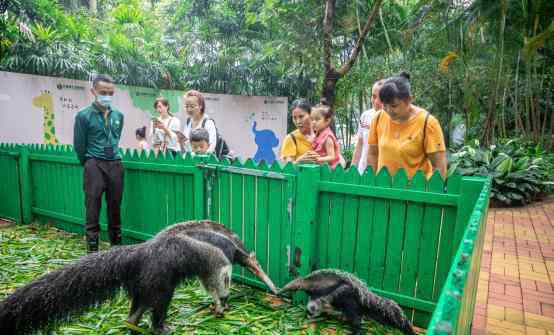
<point>296,284</point>
<point>257,270</point>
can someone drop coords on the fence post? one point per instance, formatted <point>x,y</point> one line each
<point>470,189</point>
<point>25,184</point>
<point>199,187</point>
<point>304,231</point>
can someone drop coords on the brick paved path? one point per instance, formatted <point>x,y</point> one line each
<point>515,294</point>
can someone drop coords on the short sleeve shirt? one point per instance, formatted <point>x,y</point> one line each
<point>363,133</point>
<point>290,149</point>
<point>401,145</point>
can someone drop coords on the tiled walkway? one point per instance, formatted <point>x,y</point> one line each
<point>515,294</point>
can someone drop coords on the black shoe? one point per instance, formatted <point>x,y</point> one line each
<point>115,239</point>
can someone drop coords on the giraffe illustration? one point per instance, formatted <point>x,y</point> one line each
<point>45,101</point>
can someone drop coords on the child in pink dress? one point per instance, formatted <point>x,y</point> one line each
<point>325,143</point>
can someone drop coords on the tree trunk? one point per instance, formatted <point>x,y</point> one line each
<point>502,129</point>
<point>488,134</point>
<point>332,75</point>
<point>551,139</point>
<point>329,87</point>
<point>92,7</point>
<point>74,5</point>
<point>526,100</point>
<point>518,121</point>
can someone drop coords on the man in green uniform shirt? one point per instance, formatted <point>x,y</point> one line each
<point>96,137</point>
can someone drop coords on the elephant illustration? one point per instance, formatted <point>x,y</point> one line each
<point>265,140</point>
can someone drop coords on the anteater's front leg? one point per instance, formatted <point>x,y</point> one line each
<point>217,285</point>
<point>159,311</point>
<point>353,312</point>
<point>136,311</point>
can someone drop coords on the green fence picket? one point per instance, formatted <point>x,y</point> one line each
<point>350,223</point>
<point>379,234</point>
<point>412,241</point>
<point>276,258</point>
<point>249,210</point>
<point>432,220</point>
<point>336,218</point>
<point>287,247</point>
<point>446,246</point>
<point>323,223</point>
<point>263,203</point>
<point>223,180</point>
<point>395,236</point>
<point>237,203</point>
<point>365,229</point>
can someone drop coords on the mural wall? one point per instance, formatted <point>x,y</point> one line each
<point>38,109</point>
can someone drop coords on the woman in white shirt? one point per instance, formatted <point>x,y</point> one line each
<point>163,129</point>
<point>359,157</point>
<point>195,107</point>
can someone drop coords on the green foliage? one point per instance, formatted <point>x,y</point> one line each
<point>347,154</point>
<point>519,172</point>
<point>462,64</point>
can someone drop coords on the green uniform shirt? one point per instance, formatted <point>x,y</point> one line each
<point>93,136</point>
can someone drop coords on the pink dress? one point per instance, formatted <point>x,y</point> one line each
<point>319,146</point>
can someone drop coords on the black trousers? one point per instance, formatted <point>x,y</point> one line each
<point>101,176</point>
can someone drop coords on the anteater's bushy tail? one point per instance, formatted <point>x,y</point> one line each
<point>388,312</point>
<point>61,293</point>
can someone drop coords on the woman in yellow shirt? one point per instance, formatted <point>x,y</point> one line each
<point>297,146</point>
<point>404,135</point>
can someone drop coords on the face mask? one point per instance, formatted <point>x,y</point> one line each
<point>104,100</point>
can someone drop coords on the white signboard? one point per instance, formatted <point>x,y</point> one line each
<point>38,109</point>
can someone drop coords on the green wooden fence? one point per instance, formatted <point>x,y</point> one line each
<point>418,242</point>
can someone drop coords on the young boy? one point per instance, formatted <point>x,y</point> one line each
<point>199,141</point>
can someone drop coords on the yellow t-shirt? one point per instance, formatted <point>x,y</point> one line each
<point>401,145</point>
<point>289,149</point>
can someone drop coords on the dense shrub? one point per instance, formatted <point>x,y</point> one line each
<point>520,172</point>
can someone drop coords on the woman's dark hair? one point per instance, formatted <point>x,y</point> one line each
<point>303,104</point>
<point>325,110</point>
<point>396,87</point>
<point>141,132</point>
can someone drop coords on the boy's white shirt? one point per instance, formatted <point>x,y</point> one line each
<point>363,133</point>
<point>173,124</point>
<point>210,127</point>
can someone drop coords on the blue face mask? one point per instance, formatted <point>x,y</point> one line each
<point>104,100</point>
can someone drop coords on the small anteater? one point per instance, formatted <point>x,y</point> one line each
<point>349,295</point>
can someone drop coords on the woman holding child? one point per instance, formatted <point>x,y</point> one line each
<point>312,141</point>
<point>404,135</point>
<point>297,146</point>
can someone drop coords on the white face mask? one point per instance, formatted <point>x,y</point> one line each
<point>104,100</point>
